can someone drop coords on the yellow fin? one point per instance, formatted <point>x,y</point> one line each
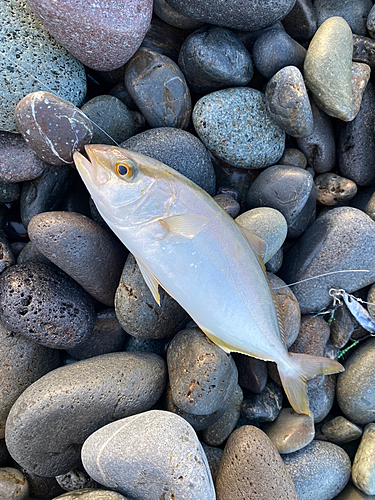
<point>187,225</point>
<point>301,368</point>
<point>150,280</point>
<point>257,244</point>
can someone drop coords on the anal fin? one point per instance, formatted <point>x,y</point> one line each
<point>150,279</point>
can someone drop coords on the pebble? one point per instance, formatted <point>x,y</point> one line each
<point>17,161</point>
<point>170,15</point>
<point>355,388</point>
<point>213,455</point>
<point>45,305</point>
<point>289,308</point>
<point>122,27</point>
<point>6,255</point>
<point>158,87</point>
<point>236,14</point>
<point>275,262</point>
<point>13,485</point>
<point>33,59</point>
<point>252,372</point>
<point>294,158</point>
<point>79,398</point>
<point>341,239</point>
<point>332,189</point>
<point>274,49</point>
<point>217,433</point>
<point>290,190</point>
<point>45,193</point>
<point>371,300</point>
<point>360,77</point>
<point>328,73</point>
<point>268,224</point>
<point>178,149</point>
<point>137,311</point>
<point>82,249</point>
<point>354,13</point>
<point>290,431</point>
<point>356,143</point>
<point>265,407</point>
<point>52,127</point>
<point>111,115</point>
<point>107,336</point>
<point>339,430</point>
<point>235,126</point>
<point>320,146</point>
<point>288,103</point>
<point>202,376</point>
<point>363,50</point>
<point>22,362</point>
<point>363,475</point>
<point>370,22</point>
<point>91,494</point>
<point>319,470</point>
<point>228,203</point>
<point>151,455</point>
<point>214,59</point>
<point>251,467</point>
<point>301,22</point>
<point>75,480</point>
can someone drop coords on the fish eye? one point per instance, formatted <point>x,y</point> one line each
<point>125,169</point>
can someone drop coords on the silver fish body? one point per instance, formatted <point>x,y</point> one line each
<point>186,243</point>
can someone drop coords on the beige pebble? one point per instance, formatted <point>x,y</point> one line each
<point>340,430</point>
<point>363,470</point>
<point>332,189</point>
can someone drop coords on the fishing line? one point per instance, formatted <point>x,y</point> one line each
<point>323,275</point>
<point>50,90</point>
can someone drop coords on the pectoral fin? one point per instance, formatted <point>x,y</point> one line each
<point>257,244</point>
<point>150,280</point>
<point>186,226</point>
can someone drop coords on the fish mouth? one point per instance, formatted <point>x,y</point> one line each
<point>96,169</point>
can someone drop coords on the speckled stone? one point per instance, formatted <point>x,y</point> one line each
<point>363,50</point>
<point>45,305</point>
<point>363,471</point>
<point>294,158</point>
<point>265,407</point>
<point>150,455</point>
<point>217,433</point>
<point>31,54</point>
<point>81,248</point>
<point>289,308</point>
<point>320,470</point>
<point>46,192</point>
<point>76,479</point>
<point>53,128</point>
<point>328,66</point>
<point>290,431</point>
<point>332,189</point>
<point>355,388</point>
<point>214,59</point>
<point>91,494</point>
<point>343,238</point>
<point>169,15</point>
<point>360,77</point>
<point>235,126</point>
<point>274,49</point>
<point>17,161</point>
<point>76,400</point>
<point>288,103</point>
<point>22,362</point>
<point>236,14</point>
<point>122,27</point>
<point>159,89</point>
<point>356,143</point>
<point>301,23</point>
<point>107,336</point>
<point>202,376</point>
<point>320,146</point>
<point>13,484</point>
<point>370,23</point>
<point>252,468</point>
<point>137,311</point>
<point>178,149</point>
<point>339,430</point>
<point>268,224</point>
<point>354,13</point>
<point>290,190</point>
<point>112,115</point>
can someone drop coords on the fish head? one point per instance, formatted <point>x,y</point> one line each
<point>127,187</point>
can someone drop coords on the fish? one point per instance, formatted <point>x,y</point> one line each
<point>184,242</point>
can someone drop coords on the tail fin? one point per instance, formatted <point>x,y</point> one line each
<point>295,374</point>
